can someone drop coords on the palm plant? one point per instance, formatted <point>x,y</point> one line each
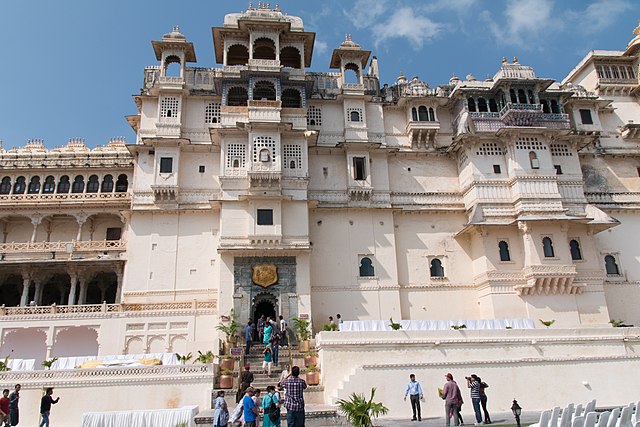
<point>301,327</point>
<point>184,358</point>
<point>49,363</point>
<point>4,364</point>
<point>393,325</point>
<point>229,329</point>
<point>547,323</point>
<point>205,357</point>
<point>359,411</point>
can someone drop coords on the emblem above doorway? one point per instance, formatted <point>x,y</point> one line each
<point>264,275</point>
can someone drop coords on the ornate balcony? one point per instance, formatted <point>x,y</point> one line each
<point>492,122</point>
<point>165,193</point>
<point>422,133</point>
<point>68,247</point>
<point>549,280</point>
<point>264,111</point>
<point>264,65</point>
<point>43,199</point>
<point>514,114</point>
<point>171,83</point>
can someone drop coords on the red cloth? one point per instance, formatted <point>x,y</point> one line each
<point>4,404</point>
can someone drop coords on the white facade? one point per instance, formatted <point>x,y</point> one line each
<point>512,197</point>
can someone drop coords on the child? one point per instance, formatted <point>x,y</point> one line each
<point>268,360</point>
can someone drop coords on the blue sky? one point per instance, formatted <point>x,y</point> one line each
<point>69,68</point>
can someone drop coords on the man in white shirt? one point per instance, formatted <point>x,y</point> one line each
<point>414,390</point>
<point>283,332</point>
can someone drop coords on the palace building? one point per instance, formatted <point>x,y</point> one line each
<point>256,186</point>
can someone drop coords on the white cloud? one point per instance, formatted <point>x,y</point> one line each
<point>365,12</point>
<point>320,47</point>
<point>525,23</point>
<point>460,7</point>
<point>601,14</point>
<point>406,23</point>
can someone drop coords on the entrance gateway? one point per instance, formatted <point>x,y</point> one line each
<point>264,285</point>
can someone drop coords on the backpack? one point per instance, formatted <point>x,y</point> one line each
<point>274,411</point>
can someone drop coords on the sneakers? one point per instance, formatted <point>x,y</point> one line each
<point>477,424</point>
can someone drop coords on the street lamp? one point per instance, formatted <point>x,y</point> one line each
<point>517,410</point>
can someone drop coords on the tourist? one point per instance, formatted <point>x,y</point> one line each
<point>339,321</point>
<point>460,403</point>
<point>220,410</point>
<point>331,322</point>
<point>474,385</point>
<point>414,390</point>
<point>247,337</point>
<point>250,411</point>
<point>45,406</point>
<point>267,361</point>
<point>284,374</point>
<point>258,402</point>
<point>14,411</point>
<point>271,408</point>
<point>261,322</point>
<point>275,344</point>
<point>266,334</point>
<point>294,398</point>
<point>4,408</point>
<point>483,400</point>
<point>283,332</point>
<point>450,394</point>
<point>246,378</point>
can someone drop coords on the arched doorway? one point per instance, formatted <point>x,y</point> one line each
<point>264,304</point>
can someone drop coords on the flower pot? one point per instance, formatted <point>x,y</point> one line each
<point>226,381</point>
<point>303,346</point>
<point>310,360</point>
<point>313,378</point>
<point>227,364</point>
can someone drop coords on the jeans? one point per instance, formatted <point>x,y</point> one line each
<point>295,418</point>
<point>483,401</point>
<point>45,419</point>
<point>275,354</point>
<point>248,347</point>
<point>451,409</point>
<point>476,408</point>
<point>415,405</point>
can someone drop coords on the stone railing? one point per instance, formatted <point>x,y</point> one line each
<point>265,64</point>
<point>71,246</point>
<point>520,107</point>
<point>44,198</point>
<point>115,375</point>
<point>106,310</point>
<point>615,199</point>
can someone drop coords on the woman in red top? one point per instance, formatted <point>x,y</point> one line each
<point>4,407</point>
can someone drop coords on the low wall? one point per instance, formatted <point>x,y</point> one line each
<point>541,368</point>
<point>110,389</point>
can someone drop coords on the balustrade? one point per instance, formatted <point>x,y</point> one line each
<point>70,246</point>
<point>37,198</point>
<point>101,310</point>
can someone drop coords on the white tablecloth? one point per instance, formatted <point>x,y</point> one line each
<point>148,418</point>
<point>115,360</point>
<point>21,364</point>
<point>437,325</point>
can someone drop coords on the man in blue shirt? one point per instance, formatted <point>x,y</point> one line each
<point>250,409</point>
<point>247,337</point>
<point>415,394</point>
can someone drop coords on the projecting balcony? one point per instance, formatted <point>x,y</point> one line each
<point>171,83</point>
<point>492,122</point>
<point>264,111</point>
<point>44,199</point>
<point>74,249</point>
<point>264,65</point>
<point>549,280</point>
<point>422,133</point>
<point>353,89</point>
<point>514,114</point>
<point>165,193</point>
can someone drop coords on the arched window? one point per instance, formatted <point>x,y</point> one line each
<point>423,116</point>
<point>555,109</point>
<point>237,97</point>
<point>482,105</point>
<point>432,115</point>
<point>436,268</point>
<point>493,106</point>
<point>265,155</point>
<point>351,74</point>
<point>107,184</point>
<point>545,106</point>
<point>122,184</point>
<point>5,185</point>
<point>264,48</point>
<point>414,114</point>
<point>547,248</point>
<point>522,98</point>
<point>611,265</point>
<point>292,164</point>
<point>471,104</point>
<point>49,186</point>
<point>236,163</point>
<point>93,185</point>
<point>512,96</point>
<point>504,251</point>
<point>290,57</point>
<point>238,55</point>
<point>63,184</point>
<point>264,90</point>
<point>291,98</point>
<point>20,185</point>
<point>533,159</point>
<point>34,185</point>
<point>574,246</point>
<point>532,99</point>
<point>354,116</point>
<point>78,184</point>
<point>172,66</point>
<point>366,267</point>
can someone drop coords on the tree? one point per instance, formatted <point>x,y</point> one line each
<point>359,411</point>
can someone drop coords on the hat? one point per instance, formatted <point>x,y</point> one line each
<point>449,376</point>
<point>246,366</point>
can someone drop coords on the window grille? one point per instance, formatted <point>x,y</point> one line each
<point>263,142</point>
<point>314,116</point>
<point>212,113</point>
<point>292,154</point>
<point>236,155</point>
<point>169,106</point>
<point>489,149</point>
<point>530,143</point>
<point>560,150</point>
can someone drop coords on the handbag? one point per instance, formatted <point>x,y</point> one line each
<point>274,411</point>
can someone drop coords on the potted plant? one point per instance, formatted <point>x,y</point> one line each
<point>226,378</point>
<point>48,363</point>
<point>313,375</point>
<point>184,358</point>
<point>4,364</point>
<point>205,357</point>
<point>229,329</point>
<point>301,327</point>
<point>227,362</point>
<point>310,358</point>
<point>359,411</point>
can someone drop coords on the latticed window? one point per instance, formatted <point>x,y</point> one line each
<point>314,116</point>
<point>292,156</point>
<point>236,155</point>
<point>560,150</point>
<point>260,144</point>
<point>354,114</point>
<point>489,149</point>
<point>169,106</point>
<point>530,143</point>
<point>212,113</point>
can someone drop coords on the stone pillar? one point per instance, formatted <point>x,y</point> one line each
<point>79,234</point>
<point>35,220</point>
<point>72,292</point>
<point>83,291</point>
<point>38,294</point>
<point>119,274</point>
<point>26,285</point>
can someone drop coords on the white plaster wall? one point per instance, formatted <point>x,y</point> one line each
<point>63,229</point>
<point>337,170</point>
<point>190,176</point>
<point>437,174</point>
<point>19,229</point>
<point>144,171</point>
